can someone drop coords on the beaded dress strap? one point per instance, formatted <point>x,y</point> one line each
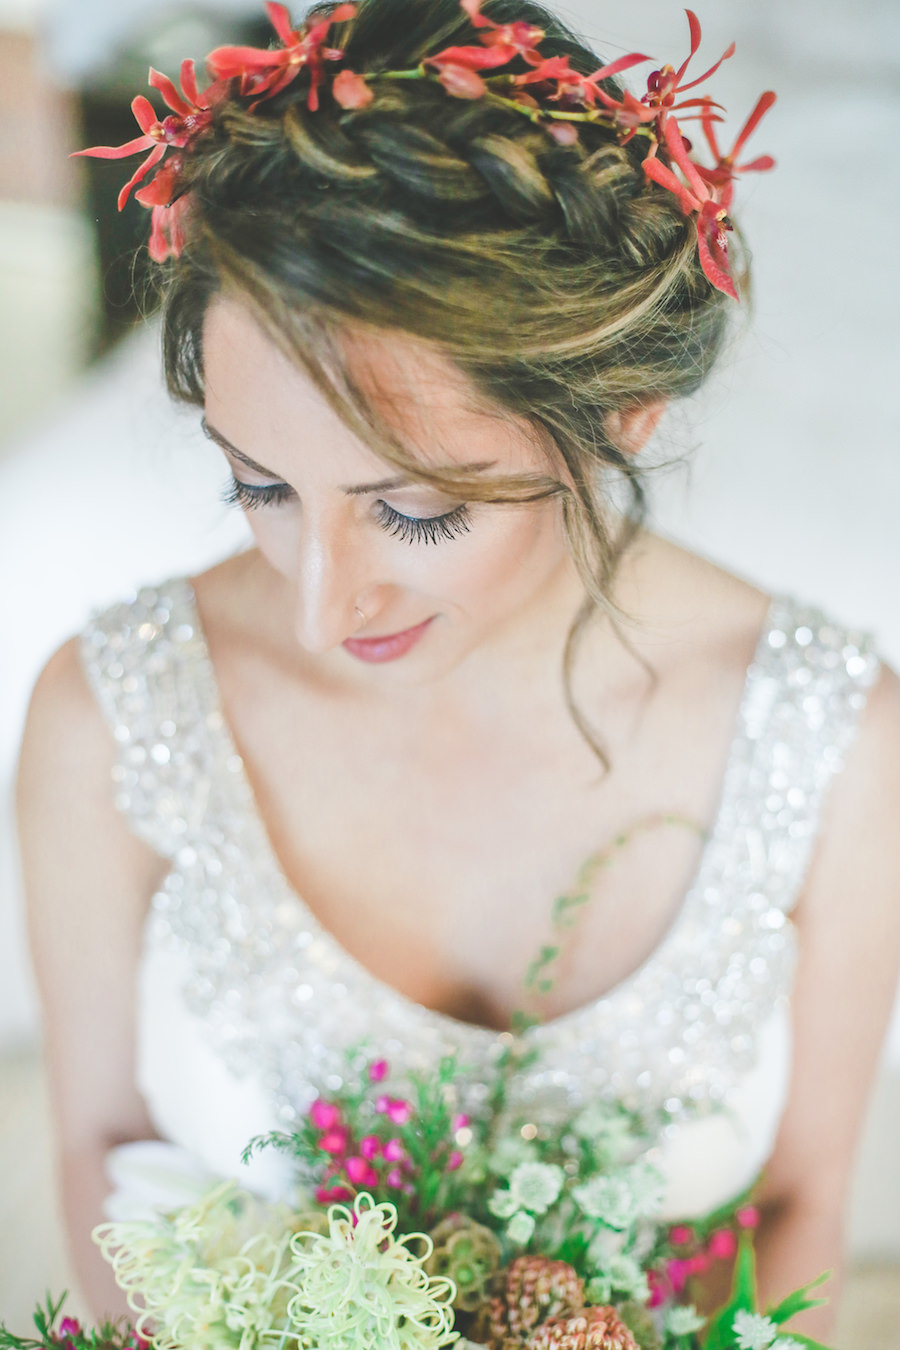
<point>146,662</point>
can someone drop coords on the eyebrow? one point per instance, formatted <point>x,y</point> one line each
<point>353,490</point>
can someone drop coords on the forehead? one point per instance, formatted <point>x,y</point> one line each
<point>254,386</point>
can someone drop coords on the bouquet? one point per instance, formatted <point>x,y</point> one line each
<point>414,1227</point>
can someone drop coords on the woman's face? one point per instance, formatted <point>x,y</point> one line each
<point>349,536</point>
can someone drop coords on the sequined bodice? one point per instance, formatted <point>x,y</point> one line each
<point>280,1001</point>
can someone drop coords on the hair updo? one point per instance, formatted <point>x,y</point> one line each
<point>558,278</point>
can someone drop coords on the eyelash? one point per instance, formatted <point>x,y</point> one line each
<point>414,529</point>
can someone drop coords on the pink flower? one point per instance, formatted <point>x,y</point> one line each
<point>395,1178</point>
<point>361,1172</point>
<point>696,1265</point>
<point>370,1146</point>
<point>324,1115</point>
<point>333,1193</point>
<point>677,1272</point>
<point>394,1151</point>
<point>748,1217</point>
<point>722,1245</point>
<point>378,1071</point>
<point>681,1235</point>
<point>396,1109</point>
<point>659,1291</point>
<point>460,1122</point>
<point>335,1141</point>
<point>454,1161</point>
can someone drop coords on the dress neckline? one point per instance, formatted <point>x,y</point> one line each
<point>289,901</point>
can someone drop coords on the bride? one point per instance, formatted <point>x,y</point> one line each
<point>329,789</point>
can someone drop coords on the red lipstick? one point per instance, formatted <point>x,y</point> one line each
<point>387,648</point>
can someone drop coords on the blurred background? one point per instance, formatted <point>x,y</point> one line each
<point>795,470</point>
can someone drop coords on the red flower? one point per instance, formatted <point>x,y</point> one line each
<point>192,115</point>
<point>351,91</point>
<point>167,217</point>
<point>695,197</point>
<point>723,174</point>
<point>265,73</point>
<point>461,82</point>
<point>583,88</point>
<point>664,85</point>
<point>499,44</point>
<point>523,38</point>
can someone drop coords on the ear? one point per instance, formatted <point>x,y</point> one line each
<point>631,428</point>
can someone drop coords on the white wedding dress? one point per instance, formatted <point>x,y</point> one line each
<point>247,1007</point>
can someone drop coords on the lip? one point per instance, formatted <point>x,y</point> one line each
<point>388,648</point>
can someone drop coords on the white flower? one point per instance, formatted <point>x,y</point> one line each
<point>648,1188</point>
<point>608,1198</point>
<point>683,1321</point>
<point>754,1332</point>
<point>502,1203</point>
<point>534,1186</point>
<point>520,1228</point>
<point>786,1343</point>
<point>621,1275</point>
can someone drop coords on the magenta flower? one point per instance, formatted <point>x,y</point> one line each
<point>681,1235</point>
<point>398,1111</point>
<point>370,1146</point>
<point>455,1160</point>
<point>361,1172</point>
<point>394,1151</point>
<point>335,1141</point>
<point>747,1217</point>
<point>324,1115</point>
<point>333,1193</point>
<point>378,1071</point>
<point>722,1245</point>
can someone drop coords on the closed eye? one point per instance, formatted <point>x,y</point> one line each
<point>414,529</point>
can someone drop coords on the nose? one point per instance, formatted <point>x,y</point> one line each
<point>333,571</point>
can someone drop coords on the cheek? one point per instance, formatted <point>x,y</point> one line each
<point>509,552</point>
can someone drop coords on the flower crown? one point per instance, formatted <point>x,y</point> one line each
<point>549,92</point>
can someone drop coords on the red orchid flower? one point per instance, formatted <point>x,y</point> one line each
<point>192,111</point>
<point>167,217</point>
<point>664,85</point>
<point>523,38</point>
<point>499,44</point>
<point>583,88</point>
<point>722,175</point>
<point>266,73</point>
<point>350,90</point>
<point>695,197</point>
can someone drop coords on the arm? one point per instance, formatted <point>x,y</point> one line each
<point>848,922</point>
<point>88,881</point>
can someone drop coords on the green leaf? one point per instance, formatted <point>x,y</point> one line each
<point>720,1332</point>
<point>798,1302</point>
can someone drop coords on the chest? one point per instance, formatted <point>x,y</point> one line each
<point>437,854</point>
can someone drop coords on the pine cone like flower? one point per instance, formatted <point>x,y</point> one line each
<point>468,1254</point>
<point>535,1289</point>
<point>592,1329</point>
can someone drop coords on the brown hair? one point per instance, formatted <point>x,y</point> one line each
<point>561,281</point>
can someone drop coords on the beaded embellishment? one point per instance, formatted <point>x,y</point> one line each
<point>282,1000</point>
